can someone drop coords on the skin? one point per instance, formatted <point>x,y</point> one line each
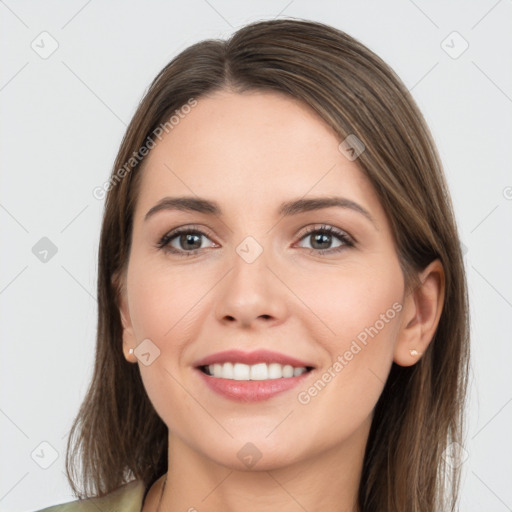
<point>250,152</point>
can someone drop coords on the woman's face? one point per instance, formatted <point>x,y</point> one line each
<point>253,277</point>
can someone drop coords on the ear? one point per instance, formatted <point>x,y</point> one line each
<point>129,340</point>
<point>420,317</point>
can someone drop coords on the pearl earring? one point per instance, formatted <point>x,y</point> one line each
<point>130,351</point>
<point>413,352</point>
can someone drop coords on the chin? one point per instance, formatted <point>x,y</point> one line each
<point>254,451</point>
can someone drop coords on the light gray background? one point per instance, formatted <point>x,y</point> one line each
<point>63,117</point>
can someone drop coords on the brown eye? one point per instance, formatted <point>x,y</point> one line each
<point>188,241</point>
<point>322,239</point>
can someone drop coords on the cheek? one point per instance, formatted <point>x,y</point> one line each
<point>351,303</point>
<point>163,302</point>
<point>360,318</point>
<point>165,308</point>
<point>161,311</point>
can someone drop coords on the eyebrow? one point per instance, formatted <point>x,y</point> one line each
<point>287,209</point>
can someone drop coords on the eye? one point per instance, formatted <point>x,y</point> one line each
<point>323,237</point>
<point>188,239</point>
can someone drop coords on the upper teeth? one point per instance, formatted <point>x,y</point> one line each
<point>260,371</point>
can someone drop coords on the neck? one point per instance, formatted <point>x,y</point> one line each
<point>326,481</point>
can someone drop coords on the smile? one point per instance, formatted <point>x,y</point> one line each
<point>252,376</point>
<point>260,371</point>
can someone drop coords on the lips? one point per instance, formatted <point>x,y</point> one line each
<point>251,358</point>
<point>237,387</point>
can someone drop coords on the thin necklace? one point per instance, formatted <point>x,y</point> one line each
<point>161,495</point>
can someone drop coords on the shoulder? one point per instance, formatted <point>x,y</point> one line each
<point>128,498</point>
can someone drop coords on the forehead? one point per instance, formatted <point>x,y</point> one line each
<point>254,146</point>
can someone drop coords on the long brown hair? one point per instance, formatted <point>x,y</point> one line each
<point>117,435</point>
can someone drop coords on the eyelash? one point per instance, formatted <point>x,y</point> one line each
<point>163,244</point>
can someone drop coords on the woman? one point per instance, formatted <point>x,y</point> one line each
<point>283,317</point>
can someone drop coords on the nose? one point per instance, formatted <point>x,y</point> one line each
<point>252,294</point>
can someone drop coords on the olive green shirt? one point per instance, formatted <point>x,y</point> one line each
<point>128,498</point>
